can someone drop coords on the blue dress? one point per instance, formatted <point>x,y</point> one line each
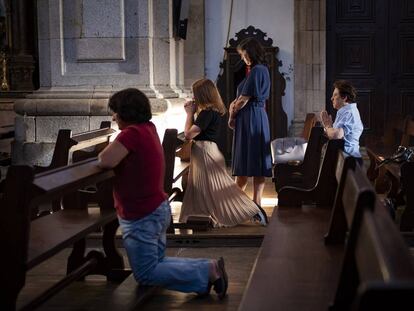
<point>251,139</point>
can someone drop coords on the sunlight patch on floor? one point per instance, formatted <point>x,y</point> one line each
<point>268,201</point>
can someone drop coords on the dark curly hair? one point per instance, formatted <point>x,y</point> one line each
<point>346,89</point>
<point>131,105</point>
<point>253,49</point>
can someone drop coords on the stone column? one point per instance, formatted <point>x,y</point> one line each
<point>194,44</point>
<point>309,59</point>
<point>160,41</point>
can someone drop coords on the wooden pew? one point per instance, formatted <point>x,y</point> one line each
<point>295,145</point>
<point>304,174</point>
<point>407,183</point>
<point>338,226</point>
<point>397,133</point>
<point>27,243</point>
<point>71,148</point>
<point>296,270</point>
<point>174,167</point>
<point>6,133</point>
<point>322,191</point>
<point>297,257</point>
<point>378,270</point>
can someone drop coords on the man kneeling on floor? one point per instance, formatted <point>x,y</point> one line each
<point>143,210</point>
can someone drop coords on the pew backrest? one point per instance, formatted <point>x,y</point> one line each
<point>6,131</point>
<point>394,129</point>
<point>408,134</point>
<point>74,147</point>
<point>337,225</point>
<point>320,191</point>
<point>377,263</point>
<point>310,121</point>
<point>313,153</point>
<point>169,145</point>
<point>407,185</point>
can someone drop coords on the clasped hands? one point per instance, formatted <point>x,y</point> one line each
<point>190,107</point>
<point>326,119</point>
<point>234,108</point>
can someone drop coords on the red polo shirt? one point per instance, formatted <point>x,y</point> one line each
<point>139,178</point>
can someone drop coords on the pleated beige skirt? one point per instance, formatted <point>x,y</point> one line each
<point>211,191</point>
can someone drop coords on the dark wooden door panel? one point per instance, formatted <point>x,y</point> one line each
<point>401,57</point>
<point>355,35</point>
<point>371,44</point>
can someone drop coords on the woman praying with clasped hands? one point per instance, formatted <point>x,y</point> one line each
<point>348,125</point>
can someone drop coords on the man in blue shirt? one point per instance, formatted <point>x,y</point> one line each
<point>348,124</point>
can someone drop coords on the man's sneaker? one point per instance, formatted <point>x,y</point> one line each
<point>221,284</point>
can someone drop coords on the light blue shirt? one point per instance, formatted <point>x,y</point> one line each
<point>349,120</point>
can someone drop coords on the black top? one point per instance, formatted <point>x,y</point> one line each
<point>208,121</point>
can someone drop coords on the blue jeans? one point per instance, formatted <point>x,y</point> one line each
<point>145,242</point>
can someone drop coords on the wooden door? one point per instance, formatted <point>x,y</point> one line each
<point>371,44</point>
<point>401,57</point>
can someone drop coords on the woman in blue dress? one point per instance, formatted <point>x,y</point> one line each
<point>251,155</point>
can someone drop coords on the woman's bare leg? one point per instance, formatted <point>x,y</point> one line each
<point>241,181</point>
<point>258,187</point>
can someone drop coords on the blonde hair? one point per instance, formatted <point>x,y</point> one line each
<point>207,97</point>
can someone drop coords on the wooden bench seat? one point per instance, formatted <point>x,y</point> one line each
<point>294,269</point>
<point>49,235</point>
